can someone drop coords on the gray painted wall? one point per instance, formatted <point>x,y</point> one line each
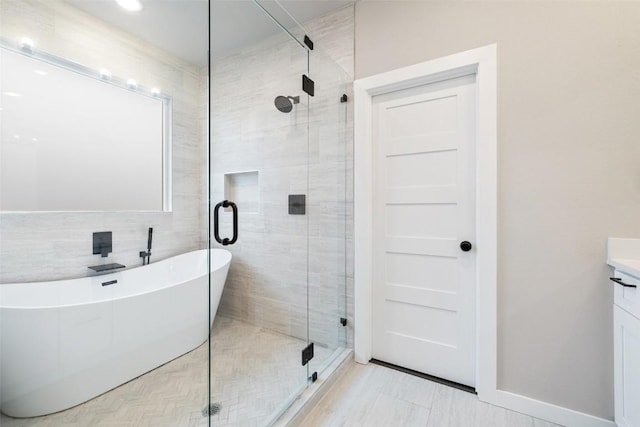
<point>568,133</point>
<point>51,246</point>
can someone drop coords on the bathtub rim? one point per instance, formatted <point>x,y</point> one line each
<point>225,260</point>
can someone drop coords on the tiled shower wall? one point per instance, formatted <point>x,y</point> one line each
<point>50,246</point>
<point>294,153</point>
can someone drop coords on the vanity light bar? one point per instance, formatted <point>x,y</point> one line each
<point>26,47</point>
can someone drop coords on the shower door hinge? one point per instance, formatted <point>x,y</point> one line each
<point>314,377</point>
<point>307,354</point>
<point>308,42</point>
<point>308,85</point>
<point>343,321</point>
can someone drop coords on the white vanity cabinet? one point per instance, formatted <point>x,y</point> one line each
<point>626,354</point>
<point>626,335</point>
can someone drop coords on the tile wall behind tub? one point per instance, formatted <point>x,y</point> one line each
<point>267,282</point>
<point>50,246</point>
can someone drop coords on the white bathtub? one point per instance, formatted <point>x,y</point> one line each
<point>65,342</point>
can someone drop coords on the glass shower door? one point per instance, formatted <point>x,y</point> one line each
<point>329,154</point>
<point>328,198</point>
<point>258,160</point>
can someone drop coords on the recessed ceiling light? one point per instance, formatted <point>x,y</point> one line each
<point>13,94</point>
<point>130,5</point>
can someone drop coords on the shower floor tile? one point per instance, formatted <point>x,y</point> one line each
<point>253,372</point>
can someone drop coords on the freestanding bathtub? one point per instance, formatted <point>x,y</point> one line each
<point>65,342</point>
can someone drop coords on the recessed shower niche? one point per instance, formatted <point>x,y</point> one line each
<point>243,188</point>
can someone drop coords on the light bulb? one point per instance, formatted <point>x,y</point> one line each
<point>130,5</point>
<point>26,44</point>
<point>132,84</point>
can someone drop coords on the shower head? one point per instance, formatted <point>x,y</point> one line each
<point>285,103</point>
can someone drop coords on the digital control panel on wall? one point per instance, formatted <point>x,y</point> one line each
<point>76,139</point>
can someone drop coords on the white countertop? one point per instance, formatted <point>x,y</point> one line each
<point>624,255</point>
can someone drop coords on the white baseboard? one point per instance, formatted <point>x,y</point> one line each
<point>545,411</point>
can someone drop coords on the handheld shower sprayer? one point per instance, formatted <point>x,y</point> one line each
<point>149,240</point>
<point>146,256</point>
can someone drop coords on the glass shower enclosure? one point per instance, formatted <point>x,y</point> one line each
<point>278,152</point>
<point>173,212</point>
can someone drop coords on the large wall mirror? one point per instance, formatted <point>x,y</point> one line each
<point>77,139</point>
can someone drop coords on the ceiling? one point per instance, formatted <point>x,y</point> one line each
<point>180,26</point>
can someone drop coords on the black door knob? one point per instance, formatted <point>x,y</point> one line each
<point>466,246</point>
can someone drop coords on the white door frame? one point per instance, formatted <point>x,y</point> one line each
<point>482,62</point>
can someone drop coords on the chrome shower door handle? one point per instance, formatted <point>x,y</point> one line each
<point>216,223</point>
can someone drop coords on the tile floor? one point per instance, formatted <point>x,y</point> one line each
<point>374,396</point>
<point>254,371</point>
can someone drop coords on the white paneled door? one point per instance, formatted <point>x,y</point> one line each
<point>424,227</point>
